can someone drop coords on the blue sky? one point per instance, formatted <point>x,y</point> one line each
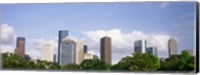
<point>35,21</point>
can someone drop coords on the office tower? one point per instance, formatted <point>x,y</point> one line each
<point>61,35</point>
<point>79,52</point>
<point>47,52</point>
<point>172,46</point>
<point>90,56</point>
<point>140,46</point>
<point>152,50</point>
<point>20,47</point>
<point>106,50</point>
<point>85,48</point>
<point>54,58</point>
<point>190,51</point>
<point>67,51</point>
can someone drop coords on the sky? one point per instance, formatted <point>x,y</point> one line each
<point>124,22</point>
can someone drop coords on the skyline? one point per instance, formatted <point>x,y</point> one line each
<point>123,22</point>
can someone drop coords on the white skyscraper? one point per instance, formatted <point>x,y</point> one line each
<point>79,52</point>
<point>140,46</point>
<point>47,52</point>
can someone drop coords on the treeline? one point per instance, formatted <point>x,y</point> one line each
<point>136,62</point>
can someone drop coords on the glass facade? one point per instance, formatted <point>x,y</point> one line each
<point>61,35</point>
<point>140,46</point>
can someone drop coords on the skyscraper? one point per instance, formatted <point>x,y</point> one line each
<point>172,46</point>
<point>106,50</point>
<point>85,48</point>
<point>54,58</point>
<point>140,46</point>
<point>20,46</point>
<point>61,35</point>
<point>47,52</point>
<point>67,51</point>
<point>152,50</point>
<point>79,52</point>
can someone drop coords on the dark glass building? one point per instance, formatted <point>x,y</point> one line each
<point>61,35</point>
<point>85,48</point>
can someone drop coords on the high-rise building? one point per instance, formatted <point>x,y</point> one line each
<point>152,50</point>
<point>172,46</point>
<point>140,46</point>
<point>54,58</point>
<point>79,52</point>
<point>20,47</point>
<point>90,56</point>
<point>67,51</point>
<point>105,48</point>
<point>61,35</point>
<point>85,48</point>
<point>47,52</point>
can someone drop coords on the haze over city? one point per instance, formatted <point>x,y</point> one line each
<point>123,22</point>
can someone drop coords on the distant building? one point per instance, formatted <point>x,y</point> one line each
<point>67,53</point>
<point>27,57</point>
<point>20,47</point>
<point>61,35</point>
<point>140,46</point>
<point>47,52</point>
<point>79,52</point>
<point>105,48</point>
<point>172,46</point>
<point>85,48</point>
<point>90,56</point>
<point>54,58</point>
<point>190,51</point>
<point>152,50</point>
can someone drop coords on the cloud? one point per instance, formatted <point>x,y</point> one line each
<point>122,43</point>
<point>7,38</point>
<point>7,34</point>
<point>164,5</point>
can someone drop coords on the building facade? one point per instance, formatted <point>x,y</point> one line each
<point>67,51</point>
<point>105,48</point>
<point>90,56</point>
<point>172,46</point>
<point>61,35</point>
<point>20,47</point>
<point>85,48</point>
<point>48,52</point>
<point>79,52</point>
<point>152,50</point>
<point>140,46</point>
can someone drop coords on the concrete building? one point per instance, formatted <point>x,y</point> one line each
<point>47,52</point>
<point>105,48</point>
<point>140,46</point>
<point>172,46</point>
<point>90,56</point>
<point>152,50</point>
<point>54,58</point>
<point>79,52</point>
<point>67,51</point>
<point>61,35</point>
<point>20,47</point>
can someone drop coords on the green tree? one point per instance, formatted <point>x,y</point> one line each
<point>94,65</point>
<point>71,67</point>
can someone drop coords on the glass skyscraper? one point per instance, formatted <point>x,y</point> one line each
<point>152,50</point>
<point>67,52</point>
<point>61,35</point>
<point>140,46</point>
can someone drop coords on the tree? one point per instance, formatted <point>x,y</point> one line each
<point>96,64</point>
<point>71,67</point>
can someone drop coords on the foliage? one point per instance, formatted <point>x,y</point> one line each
<point>70,67</point>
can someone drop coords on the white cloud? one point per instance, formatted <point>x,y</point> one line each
<point>7,38</point>
<point>122,43</point>
<point>164,4</point>
<point>190,14</point>
<point>7,34</point>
